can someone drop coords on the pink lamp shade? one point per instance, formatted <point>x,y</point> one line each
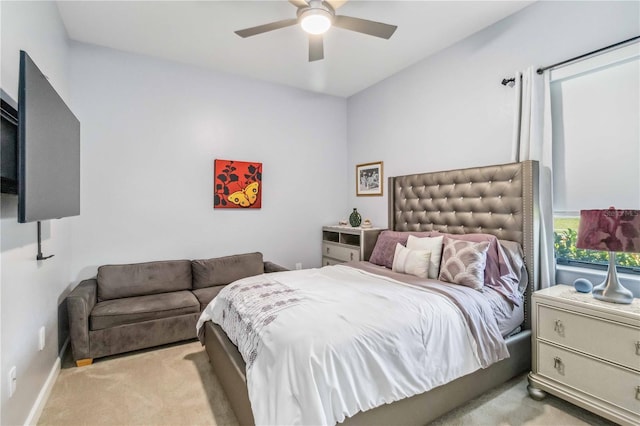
<point>609,230</point>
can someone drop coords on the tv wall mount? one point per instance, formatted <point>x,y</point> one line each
<point>40,256</point>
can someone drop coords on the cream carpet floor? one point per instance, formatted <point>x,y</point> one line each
<point>174,385</point>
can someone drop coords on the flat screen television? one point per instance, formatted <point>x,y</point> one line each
<point>48,149</point>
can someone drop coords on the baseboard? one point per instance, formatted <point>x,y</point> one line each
<point>43,396</point>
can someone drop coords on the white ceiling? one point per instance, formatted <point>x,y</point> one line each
<point>201,33</point>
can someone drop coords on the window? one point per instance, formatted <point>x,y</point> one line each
<point>565,233</point>
<point>595,107</point>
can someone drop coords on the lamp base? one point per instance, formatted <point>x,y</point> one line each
<point>614,295</point>
<point>611,290</point>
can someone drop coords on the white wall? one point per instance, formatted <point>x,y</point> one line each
<point>450,111</point>
<point>30,290</point>
<point>150,132</point>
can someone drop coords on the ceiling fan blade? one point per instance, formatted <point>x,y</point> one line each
<point>316,47</point>
<point>248,32</point>
<point>336,3</point>
<point>377,29</point>
<point>299,3</point>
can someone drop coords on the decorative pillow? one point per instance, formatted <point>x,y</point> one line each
<point>492,268</point>
<point>498,273</point>
<point>414,262</point>
<point>434,245</point>
<point>463,262</point>
<point>384,250</point>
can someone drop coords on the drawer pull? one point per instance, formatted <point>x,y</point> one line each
<point>351,254</point>
<point>558,365</point>
<point>638,392</point>
<point>638,348</point>
<point>559,327</point>
<point>327,250</point>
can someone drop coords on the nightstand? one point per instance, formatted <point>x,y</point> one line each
<point>587,352</point>
<point>345,243</point>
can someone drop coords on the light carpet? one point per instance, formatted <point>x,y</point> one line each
<point>174,385</point>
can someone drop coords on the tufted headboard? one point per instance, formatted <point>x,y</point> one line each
<point>498,200</point>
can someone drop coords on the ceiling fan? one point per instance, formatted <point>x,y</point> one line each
<point>316,17</point>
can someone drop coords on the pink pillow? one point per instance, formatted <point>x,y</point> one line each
<point>385,247</point>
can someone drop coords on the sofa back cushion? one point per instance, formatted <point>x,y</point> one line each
<point>225,270</point>
<point>139,279</point>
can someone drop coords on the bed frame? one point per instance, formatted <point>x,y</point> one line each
<point>498,200</point>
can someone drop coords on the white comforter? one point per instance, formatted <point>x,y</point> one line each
<point>355,341</point>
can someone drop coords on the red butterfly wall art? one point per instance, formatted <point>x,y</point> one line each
<point>237,185</point>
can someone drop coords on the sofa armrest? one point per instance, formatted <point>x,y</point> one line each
<point>80,302</point>
<point>272,267</point>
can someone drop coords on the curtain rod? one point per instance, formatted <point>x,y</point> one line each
<point>506,81</point>
<point>543,69</point>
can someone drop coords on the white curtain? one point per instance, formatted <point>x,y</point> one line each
<point>532,141</point>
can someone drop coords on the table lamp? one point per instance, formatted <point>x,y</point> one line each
<point>614,231</point>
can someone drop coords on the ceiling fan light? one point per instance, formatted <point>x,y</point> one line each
<point>316,21</point>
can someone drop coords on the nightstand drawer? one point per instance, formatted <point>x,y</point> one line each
<point>608,382</point>
<point>327,261</point>
<point>340,252</point>
<point>612,341</point>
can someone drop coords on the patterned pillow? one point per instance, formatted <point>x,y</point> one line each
<point>414,262</point>
<point>384,250</point>
<point>498,273</point>
<point>463,262</point>
<point>434,245</point>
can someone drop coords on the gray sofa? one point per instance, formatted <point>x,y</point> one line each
<point>136,306</point>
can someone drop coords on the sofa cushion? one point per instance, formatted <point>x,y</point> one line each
<point>206,295</point>
<point>112,313</point>
<point>139,279</point>
<point>225,270</point>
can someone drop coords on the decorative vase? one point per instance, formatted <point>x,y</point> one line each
<point>355,219</point>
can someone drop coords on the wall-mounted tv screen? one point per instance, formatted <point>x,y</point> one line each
<point>48,149</point>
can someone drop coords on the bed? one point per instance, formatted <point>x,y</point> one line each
<point>497,200</point>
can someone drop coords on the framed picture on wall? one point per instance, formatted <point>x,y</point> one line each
<point>369,179</point>
<point>237,184</point>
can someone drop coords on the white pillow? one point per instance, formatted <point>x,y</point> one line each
<point>434,245</point>
<point>414,262</point>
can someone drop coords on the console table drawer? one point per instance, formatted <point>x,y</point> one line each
<point>340,252</point>
<point>327,261</point>
<point>608,382</point>
<point>612,341</point>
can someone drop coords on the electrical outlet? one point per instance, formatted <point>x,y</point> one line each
<point>41,337</point>
<point>12,381</point>
<point>298,265</point>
